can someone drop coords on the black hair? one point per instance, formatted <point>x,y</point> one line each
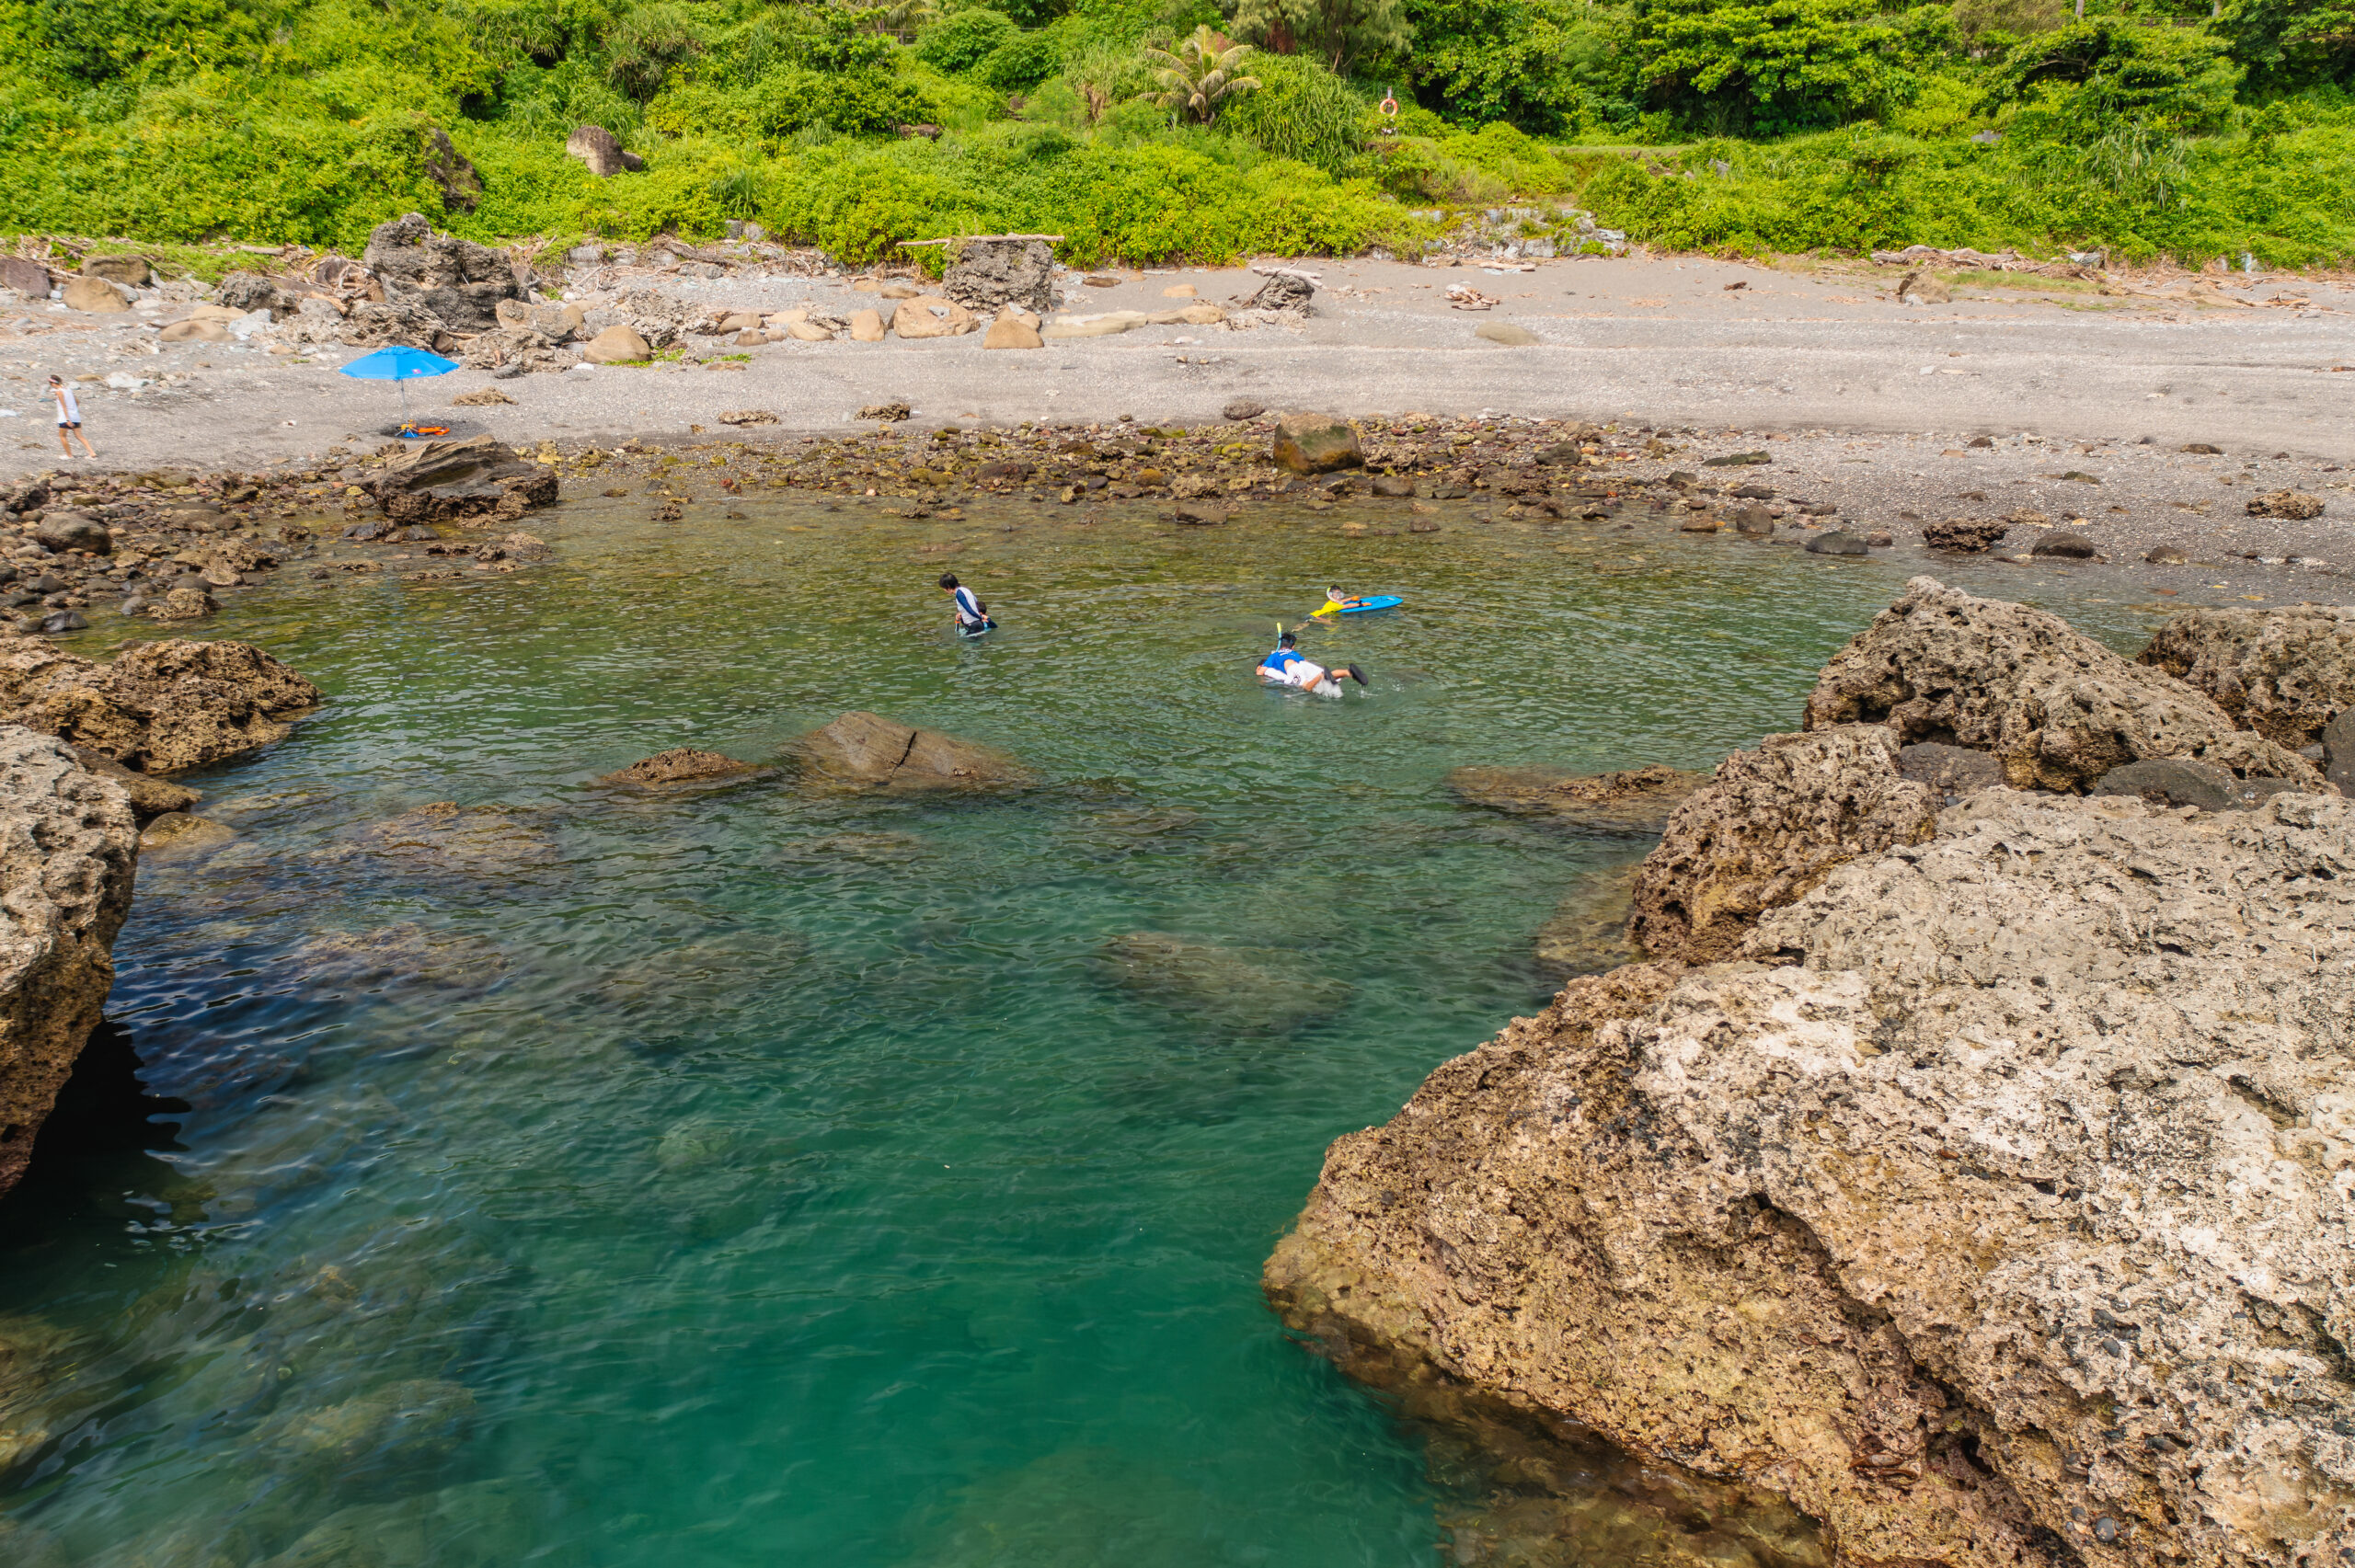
<point>1286,640</point>
<point>948,579</point>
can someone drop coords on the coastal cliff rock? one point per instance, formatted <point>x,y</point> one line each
<point>1770,826</point>
<point>2055,706</point>
<point>864,751</point>
<point>68,852</point>
<point>1990,1207</point>
<point>2283,673</point>
<point>160,706</point>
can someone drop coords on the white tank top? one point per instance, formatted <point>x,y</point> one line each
<point>68,410</point>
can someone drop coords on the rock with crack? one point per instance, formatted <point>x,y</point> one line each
<point>1631,800</point>
<point>2055,706</point>
<point>459,282</point>
<point>459,481</point>
<point>160,706</point>
<point>68,852</point>
<point>1989,1209</point>
<point>867,751</point>
<point>1768,828</point>
<point>2284,673</point>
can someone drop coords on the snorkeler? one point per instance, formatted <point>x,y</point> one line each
<point>1287,666</point>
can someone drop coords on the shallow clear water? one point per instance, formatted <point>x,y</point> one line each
<point>745,1177</point>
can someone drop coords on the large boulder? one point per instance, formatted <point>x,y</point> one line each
<point>1768,828</point>
<point>65,528</point>
<point>68,850</point>
<point>2055,706</point>
<point>93,295</point>
<point>993,271</point>
<point>459,282</point>
<point>929,315</point>
<point>599,149</point>
<point>1316,443</point>
<point>458,481</point>
<point>160,706</point>
<point>28,278</point>
<point>2284,673</point>
<point>131,271</point>
<point>618,344</point>
<point>1990,1212</point>
<point>864,751</point>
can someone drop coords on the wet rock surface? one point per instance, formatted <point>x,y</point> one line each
<point>461,480</point>
<point>682,764</point>
<point>159,707</point>
<point>68,852</point>
<point>1712,1215</point>
<point>2284,673</point>
<point>1771,824</point>
<point>2055,707</point>
<point>864,751</point>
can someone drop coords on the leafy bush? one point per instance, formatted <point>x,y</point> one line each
<point>964,41</point>
<point>1528,62</point>
<point>1337,31</point>
<point>2289,44</point>
<point>1768,65</point>
<point>1301,111</point>
<point>2086,80</point>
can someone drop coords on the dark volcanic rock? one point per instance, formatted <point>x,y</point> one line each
<point>990,272</point>
<point>1838,543</point>
<point>1952,772</point>
<point>2180,781</point>
<point>458,280</point>
<point>2061,541</point>
<point>864,751</point>
<point>455,481</point>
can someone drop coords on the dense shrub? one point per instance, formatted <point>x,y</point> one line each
<point>1301,111</point>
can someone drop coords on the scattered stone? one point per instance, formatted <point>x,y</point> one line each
<point>1394,486</point>
<point>28,276</point>
<point>865,751</point>
<point>1010,331</point>
<point>1880,539</point>
<point>131,271</point>
<point>451,480</point>
<point>929,315</point>
<point>481,397</point>
<point>68,852</point>
<point>682,764</point>
<point>618,344</point>
<point>1923,289</point>
<point>2294,505</point>
<point>2284,673</point>
<point>1836,543</point>
<point>888,413</point>
<point>1286,290</point>
<point>1738,460</point>
<point>2055,706</point>
<point>1769,827</point>
<point>1966,536</point>
<point>1755,520</point>
<point>1242,409</point>
<point>95,296</point>
<point>175,835</point>
<point>183,604</point>
<point>2061,541</point>
<point>1316,443</point>
<point>2166,555</point>
<point>867,326</point>
<point>1633,800</point>
<point>747,416</point>
<point>2202,448</point>
<point>2181,781</point>
<point>194,332</point>
<point>63,528</point>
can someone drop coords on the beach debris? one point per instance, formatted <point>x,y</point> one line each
<point>1464,296</point>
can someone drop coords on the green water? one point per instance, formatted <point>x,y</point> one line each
<point>750,1178</point>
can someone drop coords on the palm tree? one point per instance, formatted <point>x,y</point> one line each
<point>1199,75</point>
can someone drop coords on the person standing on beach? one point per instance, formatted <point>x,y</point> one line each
<point>69,419</point>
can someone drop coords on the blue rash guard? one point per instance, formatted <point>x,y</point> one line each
<point>1282,661</point>
<point>969,607</point>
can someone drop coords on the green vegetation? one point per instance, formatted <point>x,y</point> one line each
<point>1199,129</point>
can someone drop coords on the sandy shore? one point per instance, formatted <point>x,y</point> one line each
<point>2240,363</point>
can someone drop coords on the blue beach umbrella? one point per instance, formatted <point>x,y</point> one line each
<point>399,363</point>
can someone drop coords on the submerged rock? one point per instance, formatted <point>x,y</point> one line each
<point>1633,800</point>
<point>1987,1211</point>
<point>1769,827</point>
<point>175,835</point>
<point>2284,673</point>
<point>864,751</point>
<point>150,797</point>
<point>159,707</point>
<point>405,954</point>
<point>2055,706</point>
<point>1222,990</point>
<point>467,840</point>
<point>68,849</point>
<point>1588,931</point>
<point>681,765</point>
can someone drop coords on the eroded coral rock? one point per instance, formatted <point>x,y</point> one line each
<point>68,848</point>
<point>1990,1212</point>
<point>1768,828</point>
<point>681,765</point>
<point>2284,673</point>
<point>2055,706</point>
<point>159,707</point>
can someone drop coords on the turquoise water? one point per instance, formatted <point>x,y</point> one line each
<point>746,1177</point>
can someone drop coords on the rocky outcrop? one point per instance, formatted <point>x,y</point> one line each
<point>68,852</point>
<point>681,765</point>
<point>2055,706</point>
<point>2284,673</point>
<point>993,271</point>
<point>864,751</point>
<point>1631,800</point>
<point>1964,535</point>
<point>477,478</point>
<point>1316,443</point>
<point>459,282</point>
<point>1989,1208</point>
<point>160,706</point>
<point>1769,827</point>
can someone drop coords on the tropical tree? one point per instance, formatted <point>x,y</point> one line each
<point>1338,32</point>
<point>1197,76</point>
